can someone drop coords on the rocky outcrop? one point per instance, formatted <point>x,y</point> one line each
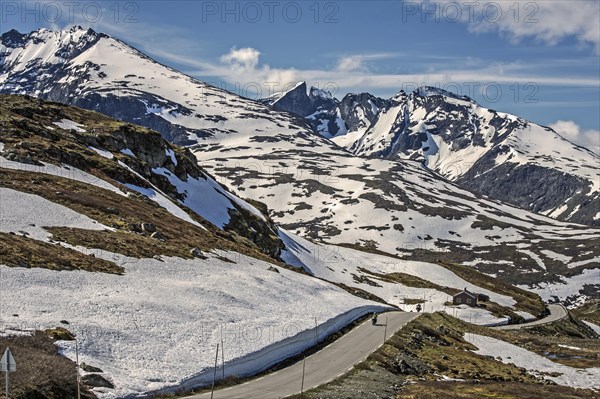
<point>262,233</point>
<point>359,111</point>
<point>295,101</point>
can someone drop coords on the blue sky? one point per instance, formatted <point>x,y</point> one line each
<point>539,60</point>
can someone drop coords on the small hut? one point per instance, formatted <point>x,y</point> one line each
<point>465,297</point>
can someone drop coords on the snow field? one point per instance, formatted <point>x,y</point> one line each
<point>341,265</point>
<point>536,364</point>
<point>156,327</point>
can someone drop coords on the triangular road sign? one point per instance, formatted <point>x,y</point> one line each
<point>8,362</point>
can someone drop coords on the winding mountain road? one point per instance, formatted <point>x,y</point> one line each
<point>338,357</point>
<point>557,312</point>
<point>321,367</point>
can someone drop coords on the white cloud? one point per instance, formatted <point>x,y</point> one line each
<point>546,21</point>
<point>359,62</point>
<point>242,59</point>
<point>573,132</point>
<point>352,63</point>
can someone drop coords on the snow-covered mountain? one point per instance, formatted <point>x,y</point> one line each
<point>312,186</point>
<point>492,153</point>
<point>119,237</point>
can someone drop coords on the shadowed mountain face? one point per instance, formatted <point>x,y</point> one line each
<point>366,195</point>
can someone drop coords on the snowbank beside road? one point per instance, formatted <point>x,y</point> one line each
<point>157,326</point>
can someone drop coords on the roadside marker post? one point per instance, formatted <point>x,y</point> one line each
<point>8,365</point>
<point>303,370</point>
<point>385,330</point>
<point>212,391</point>
<point>77,368</point>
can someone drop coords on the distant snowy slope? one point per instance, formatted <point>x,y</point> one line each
<point>374,273</point>
<point>493,153</point>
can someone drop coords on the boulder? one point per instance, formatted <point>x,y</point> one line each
<point>157,235</point>
<point>148,227</point>
<point>90,369</point>
<point>96,381</point>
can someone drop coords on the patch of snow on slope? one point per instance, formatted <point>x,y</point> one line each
<point>127,151</point>
<point>160,198</point>
<point>346,140</point>
<point>584,262</point>
<point>156,327</point>
<point>67,172</point>
<point>28,213</point>
<point>536,364</point>
<point>567,287</point>
<point>533,256</point>
<point>593,326</point>
<point>102,153</point>
<point>68,124</point>
<point>207,198</point>
<point>556,256</point>
<point>171,154</point>
<point>527,316</point>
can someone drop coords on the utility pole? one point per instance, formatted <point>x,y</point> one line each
<point>212,391</point>
<point>316,331</point>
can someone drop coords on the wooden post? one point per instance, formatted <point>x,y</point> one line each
<point>76,368</point>
<point>222,352</point>
<point>385,330</point>
<point>303,370</point>
<point>212,391</point>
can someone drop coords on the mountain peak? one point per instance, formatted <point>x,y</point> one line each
<point>430,91</point>
<point>13,38</point>
<point>295,100</point>
<point>320,93</point>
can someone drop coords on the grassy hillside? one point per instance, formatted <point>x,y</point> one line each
<point>411,364</point>
<point>30,136</point>
<point>41,372</point>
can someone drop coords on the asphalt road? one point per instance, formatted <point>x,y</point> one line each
<point>557,312</point>
<point>321,367</point>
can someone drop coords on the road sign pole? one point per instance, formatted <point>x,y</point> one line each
<point>8,365</point>
<point>212,391</point>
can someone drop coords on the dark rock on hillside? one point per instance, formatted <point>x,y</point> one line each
<point>96,381</point>
<point>369,107</point>
<point>295,101</point>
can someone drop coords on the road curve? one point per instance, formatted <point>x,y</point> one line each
<point>557,312</point>
<point>322,366</point>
